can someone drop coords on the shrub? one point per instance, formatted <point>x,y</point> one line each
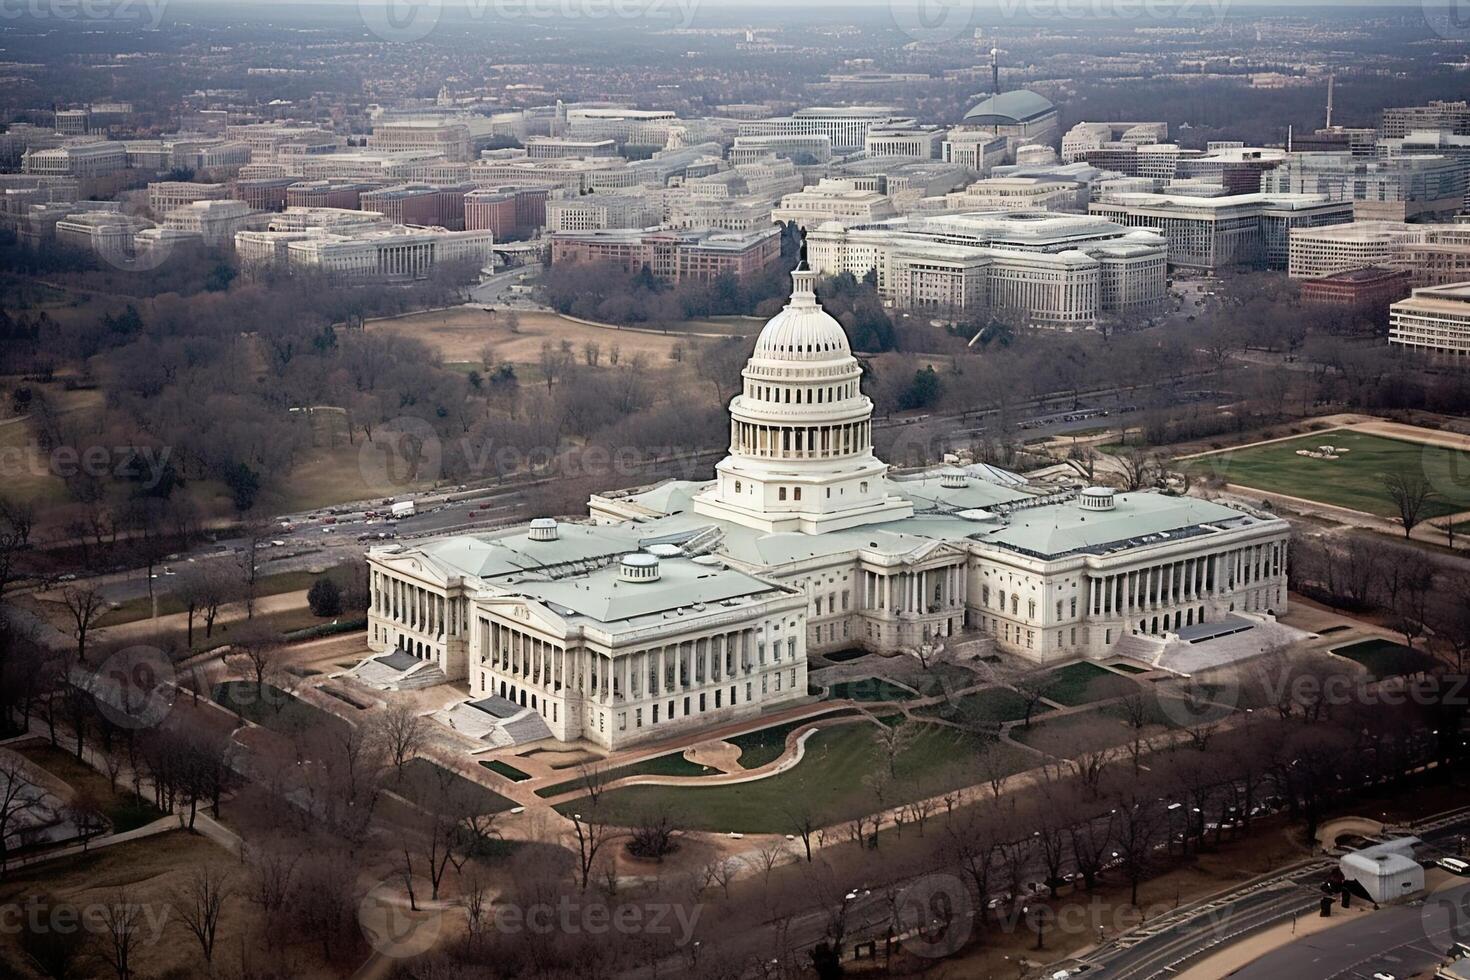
<point>325,598</point>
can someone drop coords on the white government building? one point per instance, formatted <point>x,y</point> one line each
<point>684,605</point>
<point>1051,269</point>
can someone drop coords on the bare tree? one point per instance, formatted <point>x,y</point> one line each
<point>200,901</point>
<point>1410,493</point>
<point>85,605</point>
<point>591,835</point>
<point>1140,469</point>
<point>257,648</point>
<point>20,800</point>
<point>402,732</point>
<point>121,920</point>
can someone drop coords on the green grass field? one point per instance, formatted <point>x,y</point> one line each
<point>673,764</point>
<point>1082,682</point>
<point>869,689</point>
<point>831,780</point>
<point>766,744</point>
<point>1385,658</point>
<point>1354,481</point>
<point>987,708</point>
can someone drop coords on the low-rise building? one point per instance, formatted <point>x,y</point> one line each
<point>804,151</point>
<point>675,255</point>
<point>1433,320</point>
<point>165,196</point>
<point>1369,288</point>
<point>1049,270</point>
<point>420,204</point>
<point>1433,255</point>
<point>597,212</point>
<point>923,142</point>
<point>214,221</point>
<point>833,200</point>
<point>1210,233</point>
<point>1020,194</point>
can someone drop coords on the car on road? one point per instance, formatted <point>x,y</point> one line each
<point>1454,866</point>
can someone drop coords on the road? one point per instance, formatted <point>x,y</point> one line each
<point>1169,945</point>
<point>1400,942</point>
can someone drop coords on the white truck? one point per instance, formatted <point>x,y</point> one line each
<point>402,509</point>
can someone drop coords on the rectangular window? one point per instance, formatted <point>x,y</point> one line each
<point>686,706</point>
<point>701,702</point>
<point>638,718</point>
<point>655,714</point>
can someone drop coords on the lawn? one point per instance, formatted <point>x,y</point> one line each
<point>869,689</point>
<point>169,604</point>
<point>1070,735</point>
<point>273,708</point>
<point>1385,658</point>
<point>124,811</point>
<point>673,764</point>
<point>1082,682</point>
<point>506,769</point>
<point>1354,481</point>
<point>420,777</point>
<point>831,780</point>
<point>766,744</point>
<point>988,708</point>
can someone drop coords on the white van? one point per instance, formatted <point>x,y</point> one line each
<point>1454,866</point>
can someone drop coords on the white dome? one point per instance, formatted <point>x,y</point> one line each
<point>802,331</point>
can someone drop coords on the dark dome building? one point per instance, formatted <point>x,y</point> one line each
<point>1020,115</point>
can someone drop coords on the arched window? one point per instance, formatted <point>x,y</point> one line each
<point>796,493</point>
<point>781,494</point>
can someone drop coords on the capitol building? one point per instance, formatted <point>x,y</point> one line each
<point>689,604</point>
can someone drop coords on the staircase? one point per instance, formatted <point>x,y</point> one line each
<point>1136,646</point>
<point>498,733</point>
<point>384,677</point>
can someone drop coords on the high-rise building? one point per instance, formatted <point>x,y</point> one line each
<point>1399,188</point>
<point>1452,117</point>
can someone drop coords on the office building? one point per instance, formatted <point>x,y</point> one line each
<point>1213,233</point>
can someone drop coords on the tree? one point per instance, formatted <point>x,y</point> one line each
<point>1410,494</point>
<point>324,597</point>
<point>85,605</point>
<point>257,647</point>
<point>20,799</point>
<point>1140,469</point>
<point>121,922</point>
<point>591,837</point>
<point>923,391</point>
<point>893,739</point>
<point>200,900</point>
<point>654,835</point>
<point>402,732</point>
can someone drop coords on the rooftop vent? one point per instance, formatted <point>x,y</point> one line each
<point>543,529</point>
<point>640,567</point>
<point>954,479</point>
<point>1098,498</point>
